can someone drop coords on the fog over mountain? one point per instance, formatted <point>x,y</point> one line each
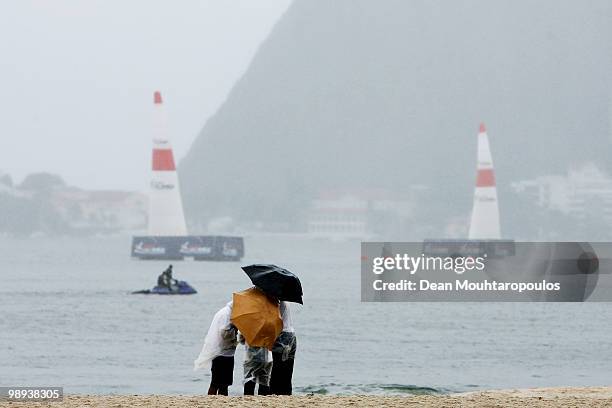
<point>364,95</point>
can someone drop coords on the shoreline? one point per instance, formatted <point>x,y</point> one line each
<point>538,397</point>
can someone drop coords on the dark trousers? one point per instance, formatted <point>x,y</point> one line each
<point>249,389</point>
<point>282,373</point>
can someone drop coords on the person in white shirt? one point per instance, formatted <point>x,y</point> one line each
<point>283,355</point>
<point>218,350</point>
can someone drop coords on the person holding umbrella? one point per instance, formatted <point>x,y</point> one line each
<point>282,286</point>
<point>257,316</point>
<point>257,369</point>
<point>283,355</point>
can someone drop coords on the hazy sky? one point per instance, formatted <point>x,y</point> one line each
<point>78,77</point>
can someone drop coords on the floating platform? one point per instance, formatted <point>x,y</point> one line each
<point>196,247</point>
<point>494,248</point>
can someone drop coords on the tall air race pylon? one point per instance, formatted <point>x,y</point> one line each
<point>166,217</point>
<point>485,212</point>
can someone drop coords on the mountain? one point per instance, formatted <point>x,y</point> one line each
<point>361,95</point>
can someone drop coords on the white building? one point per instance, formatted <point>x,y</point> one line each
<point>340,216</point>
<point>352,214</point>
<point>589,194</point>
<point>102,211</point>
<point>582,193</point>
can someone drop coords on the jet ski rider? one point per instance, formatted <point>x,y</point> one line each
<point>165,279</point>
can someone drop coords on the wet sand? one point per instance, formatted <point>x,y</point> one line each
<point>540,397</point>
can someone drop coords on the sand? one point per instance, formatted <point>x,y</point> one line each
<point>541,397</point>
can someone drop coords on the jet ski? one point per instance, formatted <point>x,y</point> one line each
<point>178,288</point>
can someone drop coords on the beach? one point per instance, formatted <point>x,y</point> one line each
<point>538,397</point>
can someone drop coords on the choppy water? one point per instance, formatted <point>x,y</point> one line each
<point>68,320</point>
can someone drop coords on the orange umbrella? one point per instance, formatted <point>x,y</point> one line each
<point>257,318</point>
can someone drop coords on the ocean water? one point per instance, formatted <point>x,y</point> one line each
<point>68,319</point>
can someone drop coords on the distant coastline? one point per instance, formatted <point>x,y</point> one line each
<point>44,205</point>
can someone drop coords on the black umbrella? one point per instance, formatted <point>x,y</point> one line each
<point>275,281</point>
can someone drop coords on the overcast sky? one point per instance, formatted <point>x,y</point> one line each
<point>78,78</point>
